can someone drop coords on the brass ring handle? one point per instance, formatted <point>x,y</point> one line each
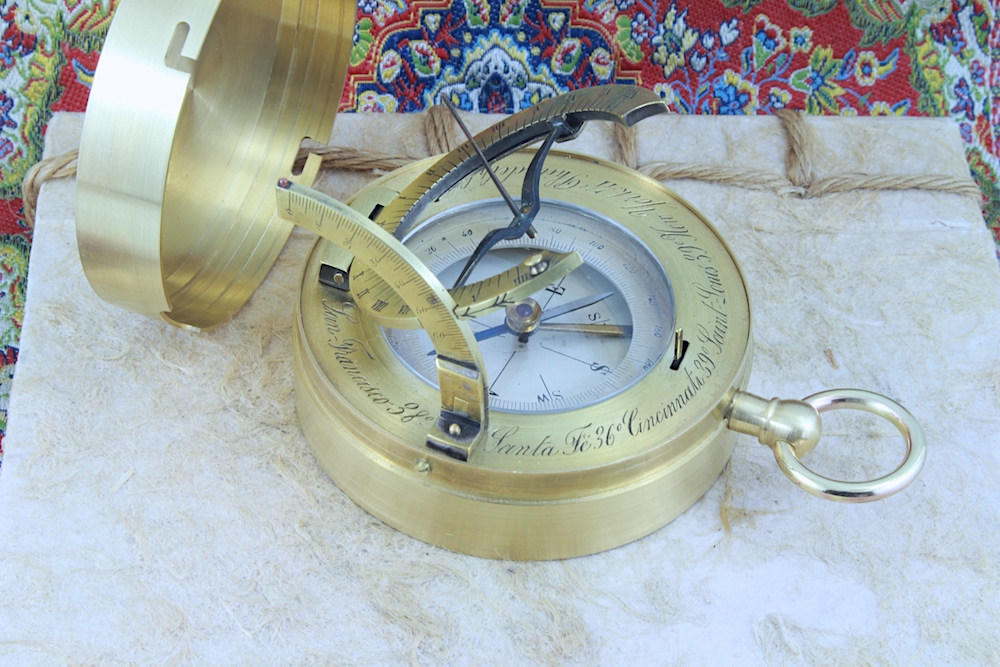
<point>858,492</point>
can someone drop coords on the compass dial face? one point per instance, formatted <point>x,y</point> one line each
<point>590,335</point>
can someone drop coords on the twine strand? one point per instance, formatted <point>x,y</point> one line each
<point>442,131</point>
<point>744,178</point>
<point>626,145</point>
<point>353,159</point>
<point>853,182</point>
<point>442,137</point>
<point>50,169</point>
<point>802,145</point>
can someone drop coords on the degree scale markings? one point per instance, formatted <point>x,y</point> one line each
<point>605,243</point>
<point>459,363</point>
<point>383,304</point>
<point>610,103</point>
<point>306,211</point>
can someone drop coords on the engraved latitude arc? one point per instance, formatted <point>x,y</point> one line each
<point>625,105</point>
<point>621,104</point>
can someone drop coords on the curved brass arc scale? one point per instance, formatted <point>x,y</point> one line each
<point>625,105</point>
<point>197,108</point>
<point>384,306</point>
<point>463,420</point>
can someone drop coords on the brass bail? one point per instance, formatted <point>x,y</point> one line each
<point>792,428</point>
<point>772,421</point>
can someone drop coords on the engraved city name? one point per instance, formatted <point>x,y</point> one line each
<point>351,354</point>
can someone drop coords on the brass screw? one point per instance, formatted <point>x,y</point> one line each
<point>339,278</point>
<point>422,465</point>
<point>455,430</point>
<point>541,267</point>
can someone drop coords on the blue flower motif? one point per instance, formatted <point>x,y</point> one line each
<point>731,100</point>
<point>800,40</point>
<point>978,73</point>
<point>964,104</point>
<point>966,131</point>
<point>6,107</point>
<point>766,41</point>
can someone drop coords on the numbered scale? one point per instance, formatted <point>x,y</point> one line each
<point>540,377</point>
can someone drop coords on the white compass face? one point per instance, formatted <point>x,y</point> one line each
<point>599,329</point>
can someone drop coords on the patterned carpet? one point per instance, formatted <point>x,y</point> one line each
<point>855,57</point>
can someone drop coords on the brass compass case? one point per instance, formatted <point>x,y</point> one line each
<point>603,280</point>
<point>551,484</point>
<point>432,449</point>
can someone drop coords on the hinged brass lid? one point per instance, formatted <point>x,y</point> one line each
<point>197,108</point>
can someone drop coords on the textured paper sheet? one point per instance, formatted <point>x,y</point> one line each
<point>160,505</point>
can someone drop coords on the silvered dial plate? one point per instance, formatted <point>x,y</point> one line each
<point>618,338</point>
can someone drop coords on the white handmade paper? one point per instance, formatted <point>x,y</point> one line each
<point>161,506</point>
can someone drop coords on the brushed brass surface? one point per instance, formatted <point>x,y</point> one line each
<point>197,107</point>
<point>541,485</point>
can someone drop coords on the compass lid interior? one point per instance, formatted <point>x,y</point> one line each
<point>197,108</point>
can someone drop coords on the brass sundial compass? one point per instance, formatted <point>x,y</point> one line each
<point>506,351</point>
<point>558,414</point>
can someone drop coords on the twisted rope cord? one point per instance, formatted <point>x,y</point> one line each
<point>626,145</point>
<point>744,178</point>
<point>442,136</point>
<point>801,139</point>
<point>443,133</point>
<point>853,182</point>
<point>353,159</point>
<point>50,169</point>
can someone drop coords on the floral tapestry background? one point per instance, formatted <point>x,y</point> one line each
<point>854,57</point>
